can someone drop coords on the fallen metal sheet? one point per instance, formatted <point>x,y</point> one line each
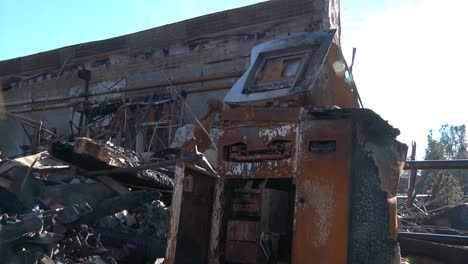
<point>442,252</point>
<point>454,217</point>
<point>44,162</point>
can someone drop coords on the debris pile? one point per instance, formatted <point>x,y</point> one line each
<point>83,203</point>
<point>431,233</point>
<point>424,217</point>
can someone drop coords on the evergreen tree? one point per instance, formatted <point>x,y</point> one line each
<point>445,185</point>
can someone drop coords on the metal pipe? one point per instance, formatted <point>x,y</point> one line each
<point>30,122</point>
<point>437,238</point>
<point>65,105</point>
<point>176,82</point>
<point>210,88</point>
<point>436,164</point>
<point>212,77</point>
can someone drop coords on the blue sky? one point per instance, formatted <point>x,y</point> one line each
<point>411,55</point>
<point>31,26</point>
<point>411,63</point>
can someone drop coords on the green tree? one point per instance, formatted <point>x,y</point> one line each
<point>445,185</point>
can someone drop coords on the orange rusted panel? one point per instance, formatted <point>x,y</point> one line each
<point>321,207</point>
<point>87,146</point>
<point>242,230</point>
<point>259,151</point>
<point>246,114</point>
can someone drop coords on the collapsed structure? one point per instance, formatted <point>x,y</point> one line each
<point>287,168</point>
<point>137,89</point>
<point>305,174</point>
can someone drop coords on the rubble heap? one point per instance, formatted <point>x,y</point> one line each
<point>82,203</point>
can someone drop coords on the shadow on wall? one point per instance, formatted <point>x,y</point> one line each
<point>12,137</point>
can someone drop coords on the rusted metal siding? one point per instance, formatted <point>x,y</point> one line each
<point>345,166</point>
<point>321,216</point>
<point>248,115</point>
<point>261,150</point>
<point>257,140</point>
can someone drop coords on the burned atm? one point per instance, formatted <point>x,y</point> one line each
<point>304,174</point>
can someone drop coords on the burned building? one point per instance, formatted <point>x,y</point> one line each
<point>269,156</point>
<point>148,83</point>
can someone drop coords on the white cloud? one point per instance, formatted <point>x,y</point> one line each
<point>411,63</point>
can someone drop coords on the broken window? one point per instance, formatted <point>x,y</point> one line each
<point>280,70</point>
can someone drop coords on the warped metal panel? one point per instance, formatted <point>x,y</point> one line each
<point>259,151</point>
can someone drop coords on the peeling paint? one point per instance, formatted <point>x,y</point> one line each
<point>240,168</point>
<point>268,168</point>
<point>320,198</point>
<point>272,133</point>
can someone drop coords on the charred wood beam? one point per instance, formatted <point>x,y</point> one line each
<point>140,245</point>
<point>412,178</point>
<point>144,175</point>
<point>117,204</point>
<point>65,152</point>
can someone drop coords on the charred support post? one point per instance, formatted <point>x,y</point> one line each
<point>412,179</point>
<point>191,216</point>
<point>86,76</point>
